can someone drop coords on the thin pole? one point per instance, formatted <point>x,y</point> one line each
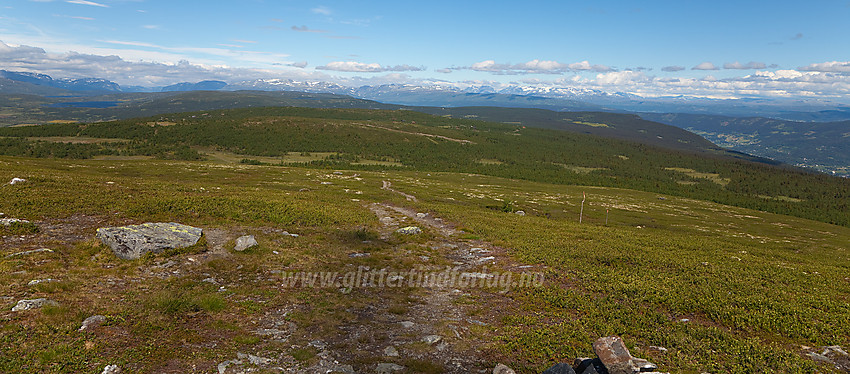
<point>581,213</point>
<point>606,217</point>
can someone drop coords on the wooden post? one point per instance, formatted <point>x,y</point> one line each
<point>606,216</point>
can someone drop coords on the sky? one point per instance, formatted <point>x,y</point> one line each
<point>722,49</point>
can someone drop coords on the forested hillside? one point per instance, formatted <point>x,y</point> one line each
<point>375,139</point>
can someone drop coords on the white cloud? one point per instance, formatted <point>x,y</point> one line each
<point>586,66</point>
<point>307,29</point>
<point>673,68</point>
<point>84,2</point>
<point>705,66</point>
<point>145,73</point>
<point>444,70</point>
<point>535,67</point>
<point>323,10</point>
<point>749,66</point>
<point>359,67</point>
<point>828,67</point>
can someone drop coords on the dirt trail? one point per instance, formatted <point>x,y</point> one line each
<point>435,328</point>
<point>419,134</point>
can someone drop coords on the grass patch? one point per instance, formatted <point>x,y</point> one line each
<point>19,228</point>
<point>303,354</point>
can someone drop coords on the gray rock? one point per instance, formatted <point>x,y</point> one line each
<point>33,304</point>
<point>820,358</point>
<point>585,365</point>
<point>614,355</point>
<point>132,242</point>
<point>254,360</point>
<point>390,351</point>
<point>318,344</point>
<point>222,367</point>
<point>421,215</point>
<point>32,252</point>
<point>409,230</point>
<point>387,368</point>
<point>503,369</point>
<point>643,365</point>
<point>38,281</point>
<point>520,212</point>
<point>432,339</point>
<point>92,322</point>
<point>561,368</point>
<point>245,242</point>
<point>111,369</point>
<point>17,180</point>
<point>407,324</point>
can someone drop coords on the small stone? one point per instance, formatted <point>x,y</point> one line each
<point>33,304</point>
<point>37,281</point>
<point>111,369</point>
<point>409,230</point>
<point>318,344</point>
<point>614,355</point>
<point>387,368</point>
<point>657,348</point>
<point>10,221</point>
<point>407,324</point>
<point>245,242</point>
<point>561,368</point>
<point>358,255</point>
<point>503,369</point>
<point>520,212</point>
<point>486,259</point>
<point>643,365</point>
<point>17,180</point>
<point>92,322</point>
<point>254,360</point>
<point>432,339</point>
<point>421,215</point>
<point>390,351</point>
<point>27,253</point>
<point>820,358</point>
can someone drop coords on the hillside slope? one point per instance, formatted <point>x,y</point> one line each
<point>823,146</point>
<point>379,139</point>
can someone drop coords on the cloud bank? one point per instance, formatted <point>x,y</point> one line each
<point>359,67</point>
<point>829,79</point>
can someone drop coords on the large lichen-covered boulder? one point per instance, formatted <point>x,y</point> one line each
<point>132,242</point>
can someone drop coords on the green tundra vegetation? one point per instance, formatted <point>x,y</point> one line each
<point>393,140</point>
<point>721,288</point>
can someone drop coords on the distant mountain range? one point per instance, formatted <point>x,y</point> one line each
<point>783,130</point>
<point>449,95</point>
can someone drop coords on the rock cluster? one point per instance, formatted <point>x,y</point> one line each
<point>132,242</point>
<point>612,358</point>
<point>833,355</point>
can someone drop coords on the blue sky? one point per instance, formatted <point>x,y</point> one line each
<point>719,48</point>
